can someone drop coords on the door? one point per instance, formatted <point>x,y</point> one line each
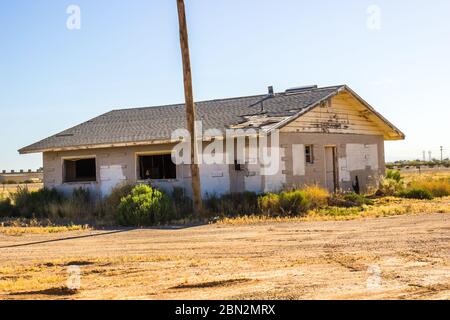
<point>331,169</point>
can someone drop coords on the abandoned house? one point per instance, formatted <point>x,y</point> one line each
<point>328,136</point>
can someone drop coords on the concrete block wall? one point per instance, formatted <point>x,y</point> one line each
<point>357,155</point>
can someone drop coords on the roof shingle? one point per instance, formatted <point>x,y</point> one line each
<point>158,123</point>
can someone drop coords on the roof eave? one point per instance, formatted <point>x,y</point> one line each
<point>399,135</point>
<point>29,150</point>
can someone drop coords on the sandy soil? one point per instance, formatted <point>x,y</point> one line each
<point>406,257</point>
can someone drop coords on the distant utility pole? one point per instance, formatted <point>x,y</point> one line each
<point>190,106</point>
<point>442,149</point>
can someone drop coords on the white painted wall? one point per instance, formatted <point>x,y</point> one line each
<point>358,157</point>
<point>361,156</point>
<point>110,177</point>
<point>298,160</point>
<point>214,179</point>
<point>275,182</point>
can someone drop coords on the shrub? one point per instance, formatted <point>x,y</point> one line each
<point>9,182</point>
<point>294,202</point>
<point>358,199</point>
<point>232,204</point>
<point>269,204</point>
<point>349,200</point>
<point>144,206</point>
<point>182,204</point>
<point>394,175</point>
<point>416,193</point>
<point>6,208</point>
<point>317,196</point>
<point>107,209</point>
<point>390,187</point>
<point>79,206</point>
<point>37,203</point>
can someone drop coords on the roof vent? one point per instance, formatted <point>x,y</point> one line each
<point>300,89</point>
<point>270,89</point>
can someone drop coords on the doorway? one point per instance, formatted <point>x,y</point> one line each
<point>331,175</point>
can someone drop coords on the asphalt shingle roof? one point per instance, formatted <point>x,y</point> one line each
<point>158,123</point>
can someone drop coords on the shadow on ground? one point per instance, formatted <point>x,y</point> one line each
<point>59,291</point>
<point>115,231</point>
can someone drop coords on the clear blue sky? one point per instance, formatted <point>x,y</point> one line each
<point>127,54</point>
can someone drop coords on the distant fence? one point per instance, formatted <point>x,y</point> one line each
<point>420,169</point>
<point>20,177</point>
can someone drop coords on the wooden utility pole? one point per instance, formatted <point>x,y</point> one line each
<point>190,106</point>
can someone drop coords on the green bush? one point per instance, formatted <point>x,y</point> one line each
<point>35,204</point>
<point>269,204</point>
<point>294,202</point>
<point>416,193</point>
<point>107,208</point>
<point>145,206</point>
<point>357,199</point>
<point>390,187</point>
<point>349,200</point>
<point>6,208</point>
<point>317,196</point>
<point>394,175</point>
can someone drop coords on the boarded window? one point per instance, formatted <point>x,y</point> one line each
<point>309,154</point>
<point>157,167</point>
<point>80,170</point>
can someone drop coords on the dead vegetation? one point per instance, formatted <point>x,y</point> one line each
<point>7,190</point>
<point>382,207</point>
<point>20,226</point>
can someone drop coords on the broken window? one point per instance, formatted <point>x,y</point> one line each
<point>157,167</point>
<point>309,154</point>
<point>80,170</point>
<point>237,165</point>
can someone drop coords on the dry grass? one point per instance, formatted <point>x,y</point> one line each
<point>409,176</point>
<point>18,231</point>
<point>18,227</point>
<point>7,190</point>
<point>384,207</point>
<point>437,182</point>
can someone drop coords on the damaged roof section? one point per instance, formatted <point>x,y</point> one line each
<point>152,125</point>
<point>260,121</point>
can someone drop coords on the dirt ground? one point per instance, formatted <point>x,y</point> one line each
<point>405,257</point>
